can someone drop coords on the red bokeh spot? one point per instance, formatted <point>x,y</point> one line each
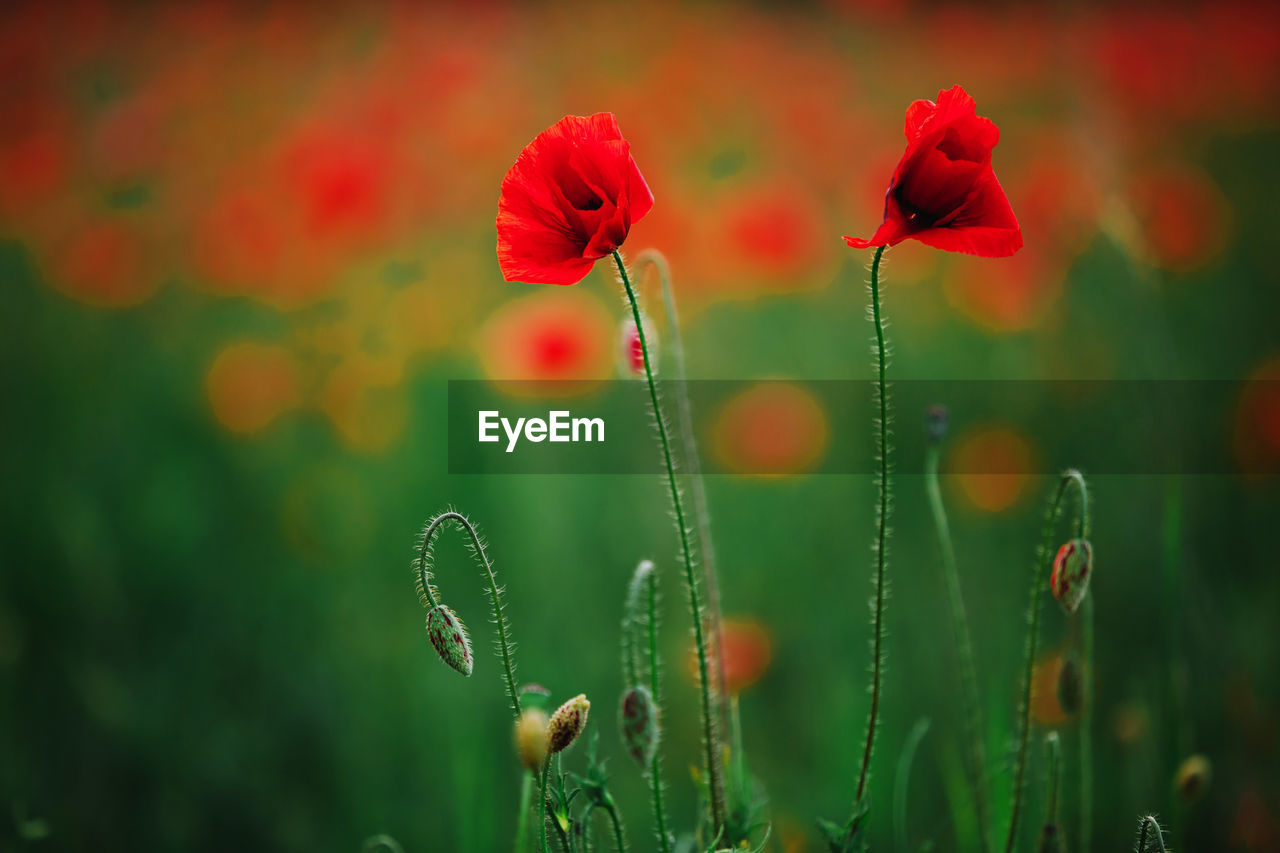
<point>550,335</point>
<point>772,429</point>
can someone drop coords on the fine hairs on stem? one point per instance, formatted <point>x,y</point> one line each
<point>881,543</point>
<point>697,487</point>
<point>640,624</point>
<point>710,732</point>
<point>1149,836</point>
<point>427,592</point>
<point>1040,580</point>
<point>975,756</point>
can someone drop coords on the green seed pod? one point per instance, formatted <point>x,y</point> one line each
<point>638,719</point>
<point>1071,570</point>
<point>567,723</point>
<point>449,637</point>
<point>531,738</point>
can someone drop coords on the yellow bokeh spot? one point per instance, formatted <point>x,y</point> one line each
<point>993,466</point>
<point>251,384</point>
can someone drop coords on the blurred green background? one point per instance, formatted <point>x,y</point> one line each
<point>244,250</point>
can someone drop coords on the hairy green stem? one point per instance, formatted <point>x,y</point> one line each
<point>697,487</point>
<point>495,592</point>
<point>618,838</point>
<point>546,768</point>
<point>710,735</point>
<point>655,764</point>
<point>882,527</point>
<point>1150,828</point>
<point>1038,583</point>
<point>976,755</point>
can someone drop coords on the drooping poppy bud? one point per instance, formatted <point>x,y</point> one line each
<point>1071,570</point>
<point>1192,778</point>
<point>449,637</point>
<point>531,738</point>
<point>630,353</point>
<point>567,723</point>
<point>638,718</point>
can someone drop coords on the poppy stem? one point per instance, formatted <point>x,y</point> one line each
<point>977,759</point>
<point>697,488</point>
<point>1038,583</point>
<point>710,734</point>
<point>546,768</point>
<point>476,546</point>
<point>1150,828</point>
<point>882,526</point>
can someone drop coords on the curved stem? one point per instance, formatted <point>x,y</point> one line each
<point>684,413</point>
<point>618,839</point>
<point>1038,583</point>
<point>977,759</point>
<point>1150,828</point>
<point>710,736</point>
<point>522,819</point>
<point>882,526</point>
<point>495,592</point>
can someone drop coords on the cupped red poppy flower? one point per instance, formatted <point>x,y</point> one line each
<point>568,201</point>
<point>944,192</point>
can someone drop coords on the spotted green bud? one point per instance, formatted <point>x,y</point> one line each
<point>567,723</point>
<point>449,638</point>
<point>1071,570</point>
<point>638,718</point>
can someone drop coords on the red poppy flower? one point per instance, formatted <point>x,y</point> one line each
<point>568,201</point>
<point>944,192</point>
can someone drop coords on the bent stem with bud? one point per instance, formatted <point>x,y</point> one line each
<point>976,755</point>
<point>710,733</point>
<point>1038,583</point>
<point>429,594</point>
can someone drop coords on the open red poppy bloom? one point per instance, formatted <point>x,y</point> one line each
<point>568,201</point>
<point>944,192</point>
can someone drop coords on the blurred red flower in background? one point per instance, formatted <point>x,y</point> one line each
<point>568,201</point>
<point>944,192</point>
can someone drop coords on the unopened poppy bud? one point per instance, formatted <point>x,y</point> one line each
<point>449,637</point>
<point>1192,777</point>
<point>1071,570</point>
<point>936,419</point>
<point>632,354</point>
<point>1070,686</point>
<point>531,738</point>
<point>567,723</point>
<point>638,718</point>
